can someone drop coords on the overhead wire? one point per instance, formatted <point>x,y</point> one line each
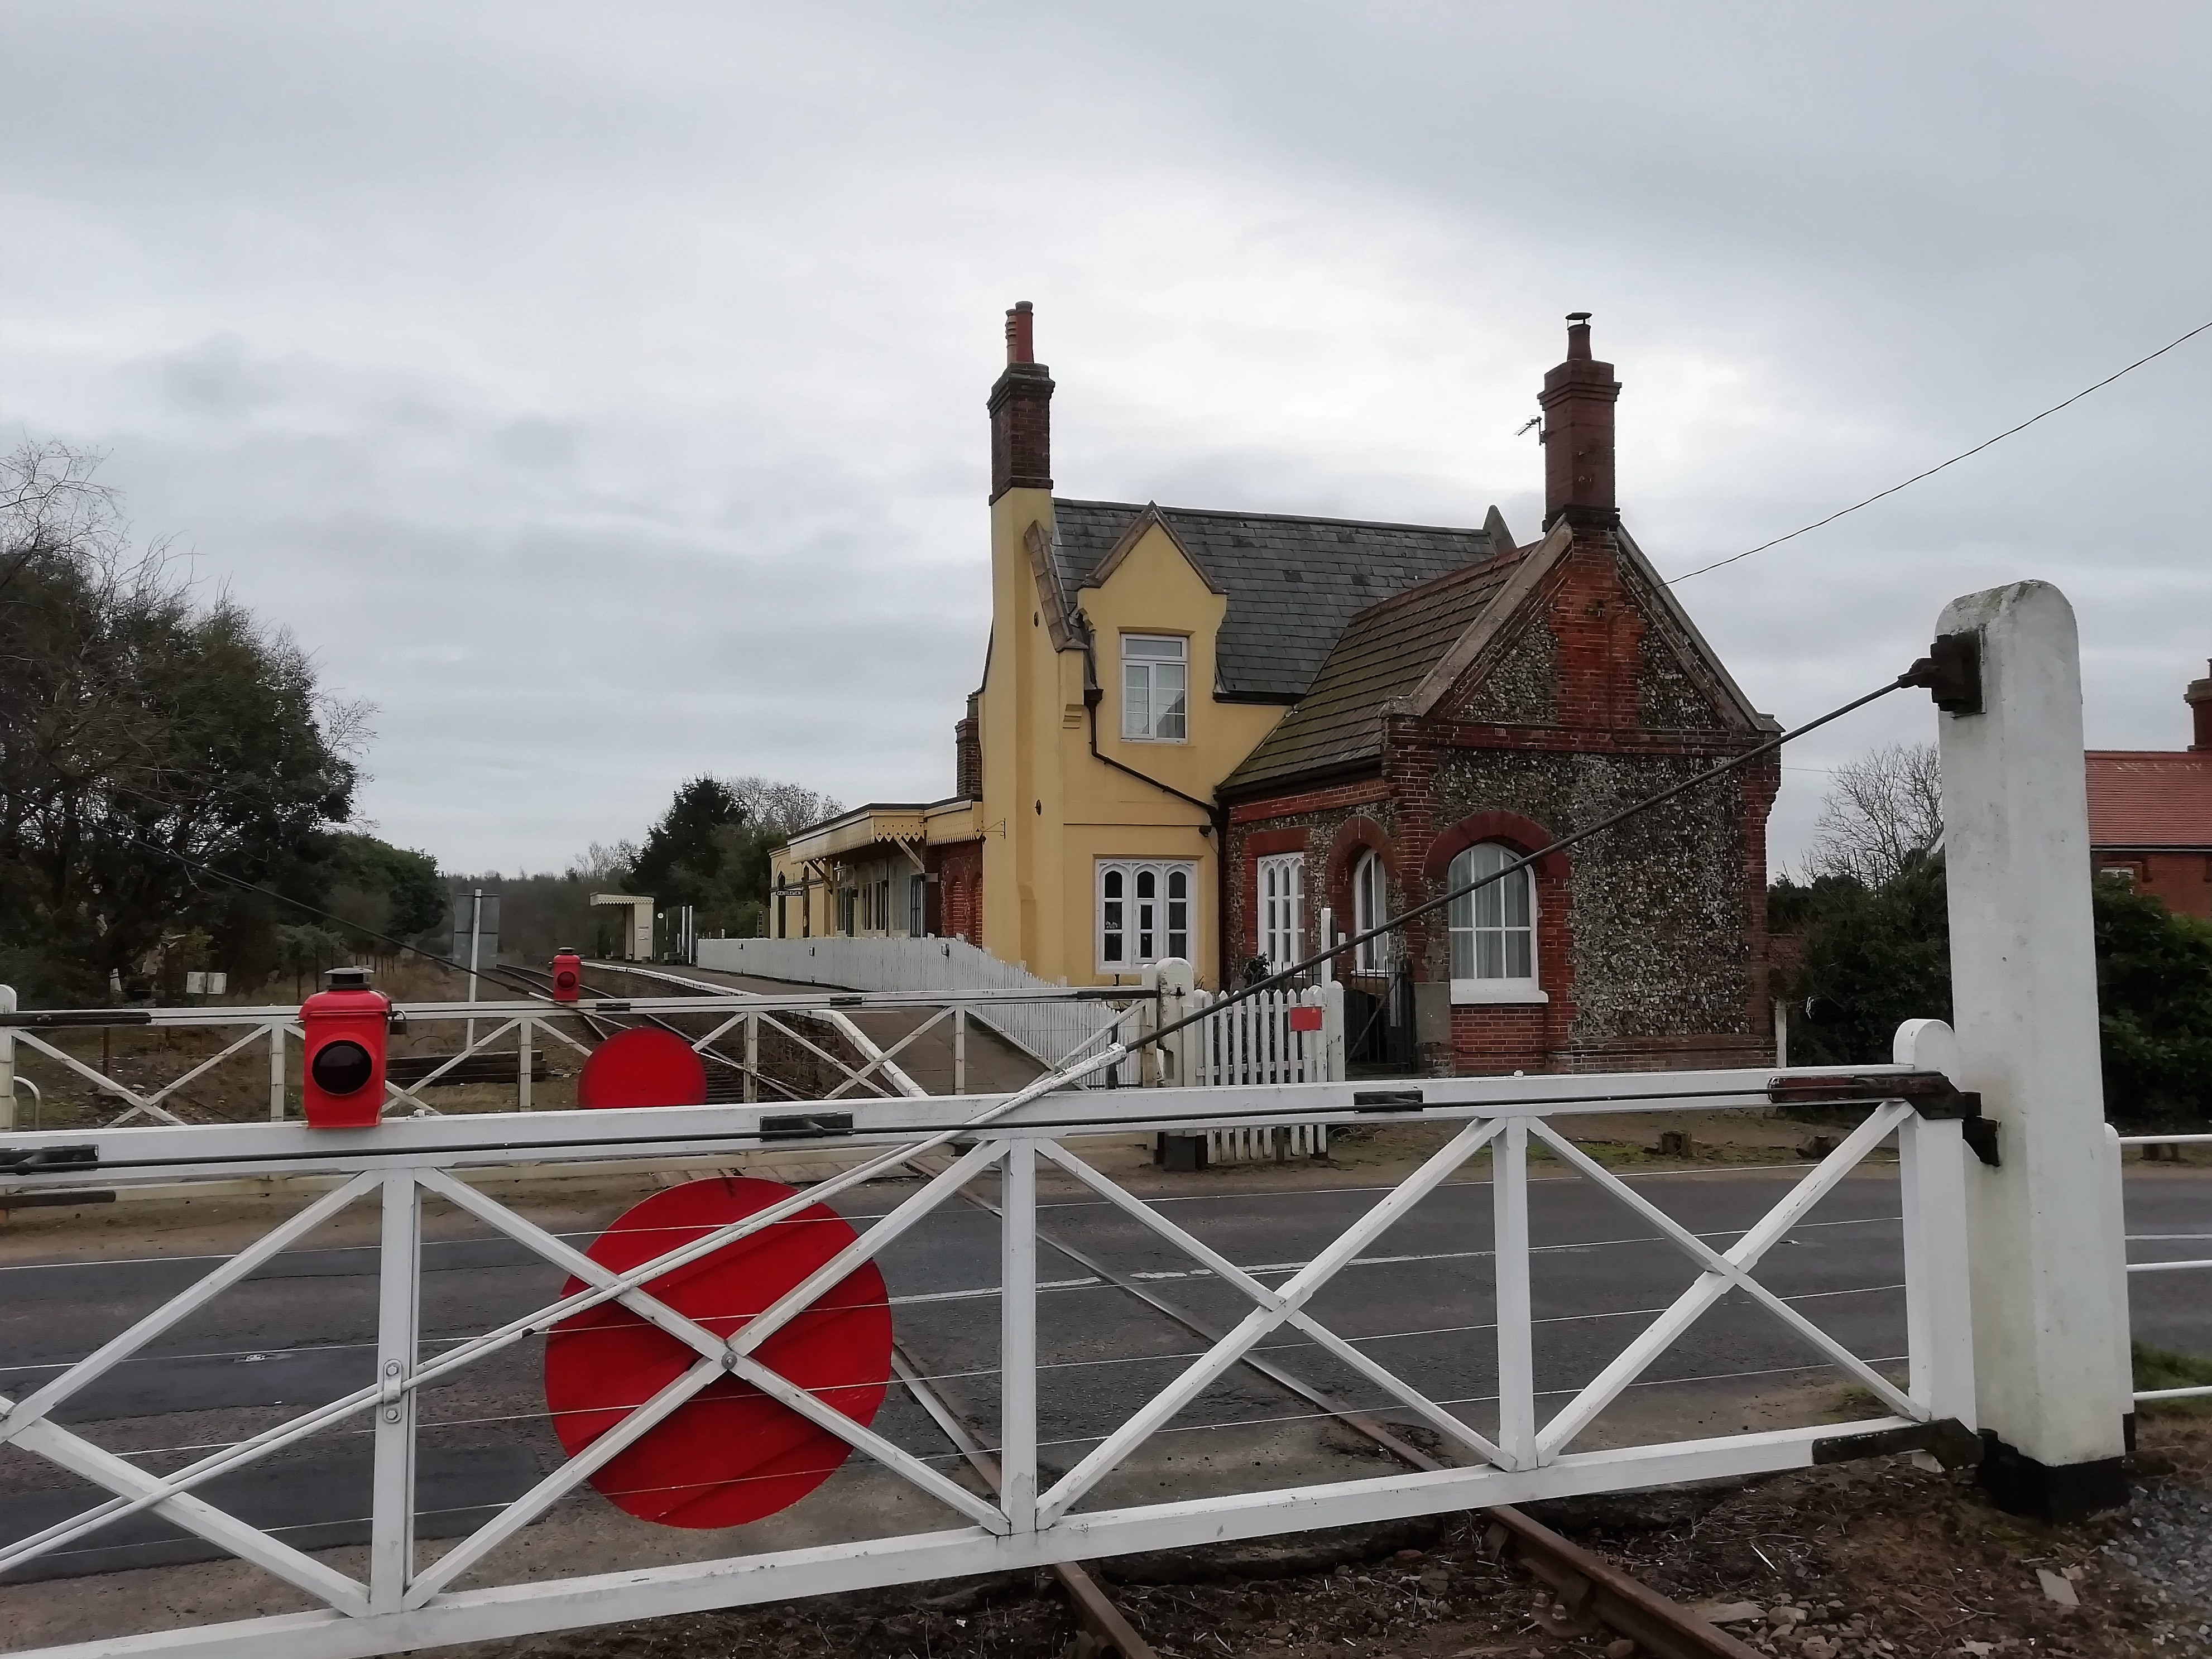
<point>1963,454</point>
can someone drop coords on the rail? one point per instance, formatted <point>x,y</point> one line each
<point>505,1042</point>
<point>1061,1498</point>
<point>2202,1390</point>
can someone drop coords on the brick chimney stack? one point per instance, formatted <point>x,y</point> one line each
<point>1578,400</point>
<point>2199,696</point>
<point>1021,411</point>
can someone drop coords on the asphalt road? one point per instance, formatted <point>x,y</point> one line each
<point>1417,1299</point>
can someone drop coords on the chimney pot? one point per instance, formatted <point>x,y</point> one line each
<point>1577,399</point>
<point>2199,698</point>
<point>1021,411</point>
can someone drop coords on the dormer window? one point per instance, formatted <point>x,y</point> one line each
<point>1155,686</point>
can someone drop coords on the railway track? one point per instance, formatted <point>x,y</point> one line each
<point>602,1026</point>
<point>1582,1592</point>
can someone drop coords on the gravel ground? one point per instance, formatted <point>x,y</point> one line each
<point>1878,1560</point>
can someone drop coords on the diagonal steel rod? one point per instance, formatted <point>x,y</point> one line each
<point>1393,924</point>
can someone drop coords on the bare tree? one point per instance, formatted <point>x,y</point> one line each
<point>780,809</point>
<point>604,864</point>
<point>1884,811</point>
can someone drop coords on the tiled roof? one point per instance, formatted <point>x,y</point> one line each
<point>1385,652</point>
<point>2149,797</point>
<point>1292,583</point>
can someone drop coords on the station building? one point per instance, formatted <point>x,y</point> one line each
<point>1208,734</point>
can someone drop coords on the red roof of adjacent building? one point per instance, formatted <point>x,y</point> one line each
<point>2150,798</point>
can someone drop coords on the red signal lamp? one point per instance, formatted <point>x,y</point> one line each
<point>568,975</point>
<point>342,1079</point>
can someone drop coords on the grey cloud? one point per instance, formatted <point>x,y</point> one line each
<point>603,400</point>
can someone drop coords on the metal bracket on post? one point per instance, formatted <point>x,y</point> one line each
<point>1931,1094</point>
<point>1952,673</point>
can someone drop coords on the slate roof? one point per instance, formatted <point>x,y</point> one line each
<point>1386,651</point>
<point>2146,798</point>
<point>1293,583</point>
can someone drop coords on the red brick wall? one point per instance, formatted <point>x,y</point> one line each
<point>1673,973</point>
<point>960,891</point>
<point>2182,880</point>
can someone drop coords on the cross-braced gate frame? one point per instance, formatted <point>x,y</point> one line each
<point>2014,1272</point>
<point>404,1604</point>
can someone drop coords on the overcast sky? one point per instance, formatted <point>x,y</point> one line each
<point>598,390</point>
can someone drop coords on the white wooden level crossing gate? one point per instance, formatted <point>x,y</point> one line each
<point>2013,1267</point>
<point>410,1597</point>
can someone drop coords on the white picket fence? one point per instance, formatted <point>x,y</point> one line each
<point>1257,1042</point>
<point>1253,1041</point>
<point>1250,1044</point>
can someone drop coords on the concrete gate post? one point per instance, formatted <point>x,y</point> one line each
<point>2051,1402</point>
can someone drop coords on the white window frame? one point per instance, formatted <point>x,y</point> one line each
<point>1369,905</point>
<point>1127,923</point>
<point>1280,890</point>
<point>1491,914</point>
<point>1155,670</point>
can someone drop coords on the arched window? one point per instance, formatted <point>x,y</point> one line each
<point>1493,929</point>
<point>1281,878</point>
<point>1368,907</point>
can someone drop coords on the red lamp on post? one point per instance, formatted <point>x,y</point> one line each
<point>568,975</point>
<point>342,1079</point>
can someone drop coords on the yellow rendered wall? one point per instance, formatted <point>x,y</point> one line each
<point>1050,810</point>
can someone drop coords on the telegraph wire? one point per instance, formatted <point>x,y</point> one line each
<point>1962,455</point>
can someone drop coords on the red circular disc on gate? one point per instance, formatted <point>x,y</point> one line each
<point>730,1454</point>
<point>644,1066</point>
